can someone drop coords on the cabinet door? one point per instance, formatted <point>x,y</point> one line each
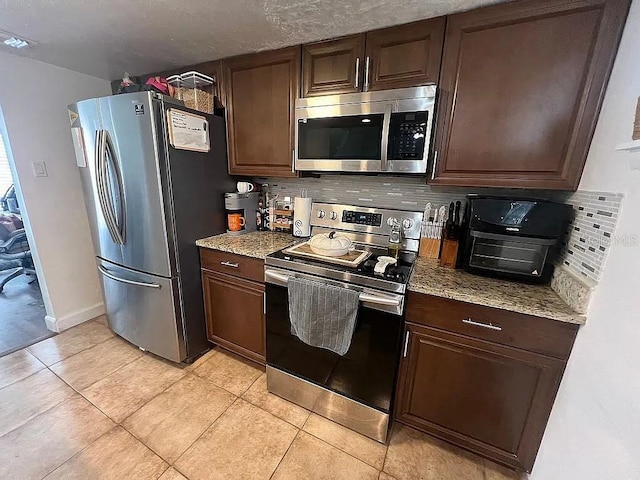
<point>405,56</point>
<point>520,91</point>
<point>490,399</point>
<point>234,310</point>
<point>333,67</point>
<point>260,90</point>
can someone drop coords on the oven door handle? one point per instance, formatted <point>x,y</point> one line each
<point>276,276</point>
<point>364,297</point>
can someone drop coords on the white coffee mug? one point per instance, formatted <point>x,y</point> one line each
<point>244,187</point>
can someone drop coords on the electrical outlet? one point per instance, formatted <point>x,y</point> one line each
<point>39,169</point>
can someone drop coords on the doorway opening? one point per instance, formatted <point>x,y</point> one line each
<point>22,310</point>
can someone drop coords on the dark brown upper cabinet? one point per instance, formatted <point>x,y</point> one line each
<point>335,66</point>
<point>259,92</point>
<point>521,87</point>
<point>403,56</point>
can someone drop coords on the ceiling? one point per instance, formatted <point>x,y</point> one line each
<point>105,38</point>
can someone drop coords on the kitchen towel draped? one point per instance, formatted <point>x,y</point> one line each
<point>322,315</point>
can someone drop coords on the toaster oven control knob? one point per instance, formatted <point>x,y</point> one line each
<point>407,223</point>
<point>321,213</point>
<point>333,215</point>
<point>391,221</point>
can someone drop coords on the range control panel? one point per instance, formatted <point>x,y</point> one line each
<point>362,218</point>
<point>378,221</point>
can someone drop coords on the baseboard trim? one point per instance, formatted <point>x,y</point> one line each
<point>75,318</point>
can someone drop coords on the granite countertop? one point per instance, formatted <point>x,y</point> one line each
<point>538,300</point>
<point>253,244</point>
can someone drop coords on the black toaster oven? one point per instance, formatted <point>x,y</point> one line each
<point>514,238</point>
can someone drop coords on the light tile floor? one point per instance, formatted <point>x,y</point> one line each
<point>87,405</point>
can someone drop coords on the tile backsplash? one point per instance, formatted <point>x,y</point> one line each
<point>585,246</point>
<point>591,232</point>
<point>402,193</point>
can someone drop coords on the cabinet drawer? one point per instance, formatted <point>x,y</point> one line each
<point>232,264</point>
<point>535,334</point>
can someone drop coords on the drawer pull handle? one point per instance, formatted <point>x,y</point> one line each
<point>229,264</point>
<point>490,326</point>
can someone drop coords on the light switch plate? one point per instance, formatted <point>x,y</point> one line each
<point>39,169</point>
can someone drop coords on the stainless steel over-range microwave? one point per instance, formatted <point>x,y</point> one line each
<point>385,131</point>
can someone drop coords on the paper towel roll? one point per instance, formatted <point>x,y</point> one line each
<point>301,217</point>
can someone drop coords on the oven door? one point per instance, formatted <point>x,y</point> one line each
<point>523,256</point>
<point>367,372</point>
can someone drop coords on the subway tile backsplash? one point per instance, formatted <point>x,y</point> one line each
<point>584,248</point>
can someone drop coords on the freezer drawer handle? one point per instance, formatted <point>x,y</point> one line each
<point>229,264</point>
<point>364,297</point>
<point>106,273</point>
<point>490,326</point>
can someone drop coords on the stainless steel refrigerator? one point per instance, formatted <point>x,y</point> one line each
<point>148,202</point>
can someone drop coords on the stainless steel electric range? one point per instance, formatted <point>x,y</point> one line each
<point>357,389</point>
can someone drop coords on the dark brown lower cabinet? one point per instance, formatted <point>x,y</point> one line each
<point>492,399</point>
<point>234,314</point>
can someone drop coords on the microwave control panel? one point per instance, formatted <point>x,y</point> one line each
<point>407,132</point>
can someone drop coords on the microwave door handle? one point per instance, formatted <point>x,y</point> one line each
<point>386,123</point>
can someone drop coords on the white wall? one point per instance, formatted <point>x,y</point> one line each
<point>34,98</point>
<point>594,430</point>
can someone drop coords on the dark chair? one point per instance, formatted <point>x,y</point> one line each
<point>16,247</point>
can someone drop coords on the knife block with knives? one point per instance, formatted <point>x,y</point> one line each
<point>451,235</point>
<point>431,233</point>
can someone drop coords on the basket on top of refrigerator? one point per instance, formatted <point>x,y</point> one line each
<point>195,89</point>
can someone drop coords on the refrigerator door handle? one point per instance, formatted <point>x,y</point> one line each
<point>119,216</point>
<point>101,184</point>
<point>110,275</point>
